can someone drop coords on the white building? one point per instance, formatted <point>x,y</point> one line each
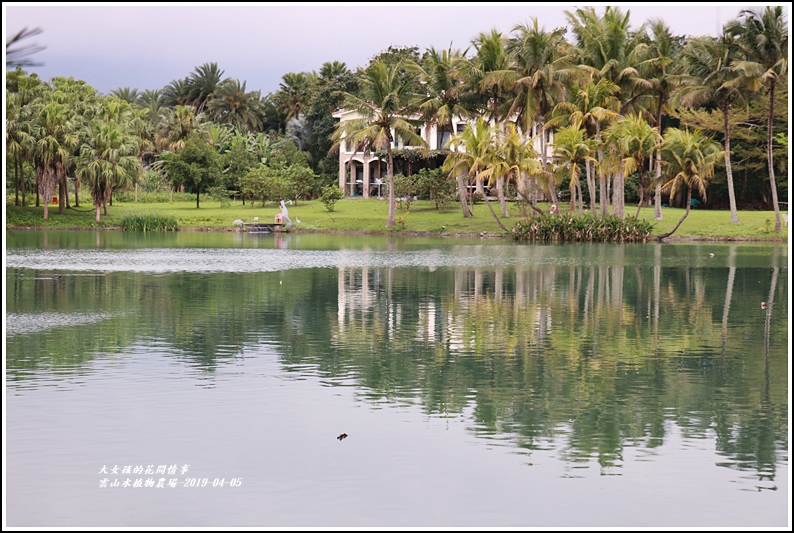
<point>364,174</point>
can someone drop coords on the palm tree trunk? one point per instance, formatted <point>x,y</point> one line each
<point>462,194</point>
<point>496,218</point>
<point>769,155</point>
<point>728,171</point>
<point>16,182</point>
<point>657,197</point>
<point>500,194</point>
<point>591,187</point>
<point>390,176</point>
<point>686,214</point>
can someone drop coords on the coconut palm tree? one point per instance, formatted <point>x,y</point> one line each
<point>763,38</point>
<point>711,78</point>
<point>660,68</point>
<point>510,156</point>
<point>690,158</point>
<point>635,140</point>
<point>471,150</point>
<point>383,105</point>
<point>443,100</point>
<point>293,93</point>
<point>572,148</point>
<point>593,105</point>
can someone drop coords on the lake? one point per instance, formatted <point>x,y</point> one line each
<point>296,380</point>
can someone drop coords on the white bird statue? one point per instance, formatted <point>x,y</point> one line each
<point>256,219</point>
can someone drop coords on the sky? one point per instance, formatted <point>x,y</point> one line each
<point>146,45</point>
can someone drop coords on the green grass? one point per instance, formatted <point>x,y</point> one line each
<point>369,216</point>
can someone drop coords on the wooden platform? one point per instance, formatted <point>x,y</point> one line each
<point>261,227</point>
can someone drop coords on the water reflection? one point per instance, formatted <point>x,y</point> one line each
<point>591,350</point>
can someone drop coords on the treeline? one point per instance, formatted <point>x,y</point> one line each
<point>610,102</point>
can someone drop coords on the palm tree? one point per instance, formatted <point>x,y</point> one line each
<point>17,56</point>
<point>690,159</point>
<point>443,100</point>
<point>383,105</point>
<point>232,105</point>
<point>125,93</point>
<point>572,148</point>
<point>510,156</point>
<point>179,123</point>
<point>471,149</point>
<point>109,159</point>
<point>293,93</point>
<point>54,139</point>
<point>176,93</point>
<point>763,38</point>
<point>635,140</point>
<point>201,85</point>
<point>608,49</point>
<point>711,78</point>
<point>542,66</point>
<point>488,73</point>
<point>660,68</point>
<point>593,105</point>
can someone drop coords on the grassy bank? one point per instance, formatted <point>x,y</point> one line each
<point>359,215</point>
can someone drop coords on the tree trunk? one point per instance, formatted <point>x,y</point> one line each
<point>769,155</point>
<point>22,184</point>
<point>500,194</point>
<point>496,218</point>
<point>686,214</point>
<point>617,192</point>
<point>390,176</point>
<point>591,187</point>
<point>462,193</point>
<point>198,191</point>
<point>728,171</point>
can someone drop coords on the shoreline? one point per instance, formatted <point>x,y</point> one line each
<point>386,233</point>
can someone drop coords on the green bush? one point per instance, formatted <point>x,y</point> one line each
<point>570,227</point>
<point>331,194</point>
<point>149,222</point>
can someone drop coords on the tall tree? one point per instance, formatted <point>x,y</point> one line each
<point>690,158</point>
<point>632,140</point>
<point>593,105</point>
<point>763,37</point>
<point>475,143</point>
<point>573,148</point>
<point>55,140</point>
<point>108,160</point>
<point>232,105</point>
<point>383,106</point>
<point>660,68</point>
<point>711,79</point>
<point>442,100</point>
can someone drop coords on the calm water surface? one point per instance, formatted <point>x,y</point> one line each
<point>203,379</point>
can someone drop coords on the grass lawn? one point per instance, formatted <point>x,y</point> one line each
<point>360,215</point>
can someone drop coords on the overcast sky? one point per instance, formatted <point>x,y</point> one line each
<point>147,46</point>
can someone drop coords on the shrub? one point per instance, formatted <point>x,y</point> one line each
<point>149,222</point>
<point>330,195</point>
<point>570,227</point>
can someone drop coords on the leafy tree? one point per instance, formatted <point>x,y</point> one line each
<point>330,195</point>
<point>197,165</point>
<point>382,106</point>
<point>55,140</point>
